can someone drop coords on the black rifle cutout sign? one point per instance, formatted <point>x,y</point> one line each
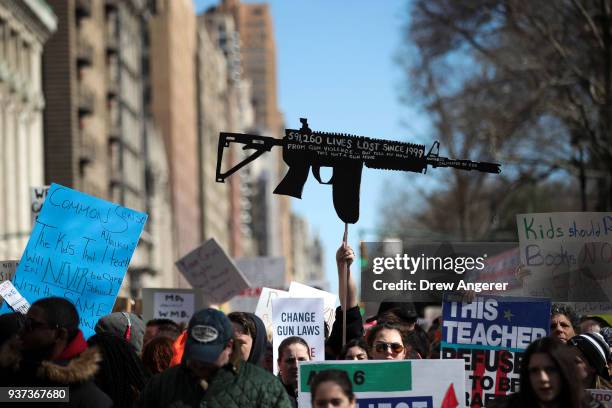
<point>346,154</point>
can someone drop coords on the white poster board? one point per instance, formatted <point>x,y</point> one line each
<point>178,307</point>
<point>566,256</point>
<point>302,318</point>
<point>174,304</point>
<point>330,300</point>
<point>603,396</point>
<point>395,383</point>
<point>12,296</point>
<point>37,197</point>
<point>264,306</point>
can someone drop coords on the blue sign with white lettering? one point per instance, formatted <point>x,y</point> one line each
<point>495,322</point>
<point>398,402</point>
<point>490,334</point>
<point>80,249</point>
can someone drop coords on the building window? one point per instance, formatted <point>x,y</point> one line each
<point>12,50</point>
<point>26,56</point>
<point>2,39</point>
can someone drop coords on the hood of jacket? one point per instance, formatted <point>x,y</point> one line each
<point>78,369</point>
<point>260,338</point>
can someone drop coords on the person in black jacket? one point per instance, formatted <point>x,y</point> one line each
<point>354,324</point>
<point>251,331</point>
<point>51,352</point>
<point>10,325</point>
<point>122,375</point>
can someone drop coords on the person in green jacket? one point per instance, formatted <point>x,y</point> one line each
<point>212,373</point>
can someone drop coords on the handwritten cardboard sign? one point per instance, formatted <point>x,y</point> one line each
<point>209,268</point>
<point>7,269</point>
<point>80,250</point>
<point>330,300</point>
<point>567,256</point>
<point>393,384</point>
<point>37,196</point>
<point>491,333</point>
<point>302,318</point>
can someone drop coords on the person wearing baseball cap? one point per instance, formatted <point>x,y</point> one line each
<point>592,357</point>
<point>213,373</point>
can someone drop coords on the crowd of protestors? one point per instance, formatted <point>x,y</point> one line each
<point>223,360</point>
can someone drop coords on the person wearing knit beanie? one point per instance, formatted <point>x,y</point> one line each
<point>128,326</point>
<point>594,353</point>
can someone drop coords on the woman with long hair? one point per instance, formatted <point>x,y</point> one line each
<point>157,354</point>
<point>387,341</point>
<point>548,378</point>
<point>122,375</point>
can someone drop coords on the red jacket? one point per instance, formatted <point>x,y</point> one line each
<point>178,347</point>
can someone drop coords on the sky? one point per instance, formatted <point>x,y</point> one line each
<point>336,67</point>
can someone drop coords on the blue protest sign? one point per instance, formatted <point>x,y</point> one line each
<point>490,334</point>
<point>80,249</point>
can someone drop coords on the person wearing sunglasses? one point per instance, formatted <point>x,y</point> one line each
<point>387,342</point>
<point>52,352</point>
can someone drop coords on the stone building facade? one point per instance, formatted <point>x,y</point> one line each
<point>99,129</point>
<point>271,224</point>
<point>25,26</point>
<point>173,102</point>
<point>225,104</point>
